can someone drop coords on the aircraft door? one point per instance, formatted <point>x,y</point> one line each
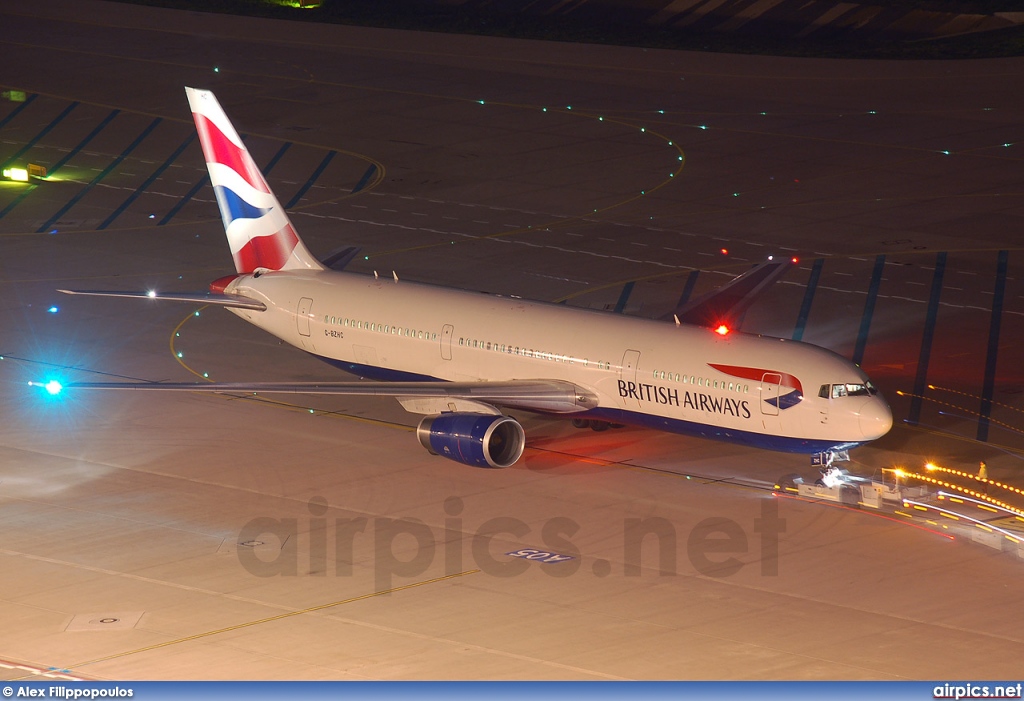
<point>627,378</point>
<point>446,341</point>
<point>770,393</point>
<point>302,315</point>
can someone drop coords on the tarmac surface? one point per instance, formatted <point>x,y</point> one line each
<point>209,537</point>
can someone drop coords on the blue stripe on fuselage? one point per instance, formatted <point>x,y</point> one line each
<point>782,444</point>
<point>374,373</point>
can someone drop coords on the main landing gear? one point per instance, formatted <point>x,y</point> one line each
<point>594,424</point>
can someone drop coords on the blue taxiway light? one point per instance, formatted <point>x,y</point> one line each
<point>53,310</point>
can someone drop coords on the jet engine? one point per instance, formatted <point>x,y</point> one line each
<point>480,440</point>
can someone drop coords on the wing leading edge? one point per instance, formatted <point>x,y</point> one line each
<point>220,300</point>
<point>554,396</point>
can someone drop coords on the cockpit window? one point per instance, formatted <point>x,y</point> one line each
<point>849,389</point>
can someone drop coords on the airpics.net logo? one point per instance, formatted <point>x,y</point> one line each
<point>503,546</point>
<point>977,691</point>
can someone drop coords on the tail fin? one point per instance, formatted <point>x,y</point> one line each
<point>258,230</point>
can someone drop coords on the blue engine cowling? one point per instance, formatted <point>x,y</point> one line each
<point>481,440</point>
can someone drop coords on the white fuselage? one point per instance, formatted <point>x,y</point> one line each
<point>740,387</point>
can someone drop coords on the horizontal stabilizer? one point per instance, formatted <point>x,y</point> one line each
<point>726,304</point>
<point>340,257</point>
<point>219,300</point>
<point>554,396</point>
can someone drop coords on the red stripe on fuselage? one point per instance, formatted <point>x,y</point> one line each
<point>217,148</point>
<point>757,374</point>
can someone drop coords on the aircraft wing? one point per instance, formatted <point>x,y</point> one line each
<point>556,396</point>
<point>220,300</point>
<point>726,304</point>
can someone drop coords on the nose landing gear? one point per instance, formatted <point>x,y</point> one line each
<point>834,484</point>
<point>831,476</point>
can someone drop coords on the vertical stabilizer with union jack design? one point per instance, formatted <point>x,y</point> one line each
<point>258,230</point>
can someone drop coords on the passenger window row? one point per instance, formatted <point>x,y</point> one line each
<point>346,322</point>
<point>531,353</point>
<point>701,381</point>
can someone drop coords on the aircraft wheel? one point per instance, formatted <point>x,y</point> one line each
<point>581,423</point>
<point>599,425</point>
<point>790,482</point>
<point>616,425</point>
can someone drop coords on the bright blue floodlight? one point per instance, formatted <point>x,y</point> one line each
<point>53,386</point>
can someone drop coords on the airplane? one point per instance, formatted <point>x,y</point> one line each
<point>461,358</point>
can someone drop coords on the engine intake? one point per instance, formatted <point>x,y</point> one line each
<point>480,440</point>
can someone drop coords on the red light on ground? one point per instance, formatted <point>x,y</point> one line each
<point>725,251</point>
<point>722,330</point>
<point>795,260</point>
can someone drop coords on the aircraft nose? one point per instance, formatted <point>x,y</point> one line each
<point>875,418</point>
